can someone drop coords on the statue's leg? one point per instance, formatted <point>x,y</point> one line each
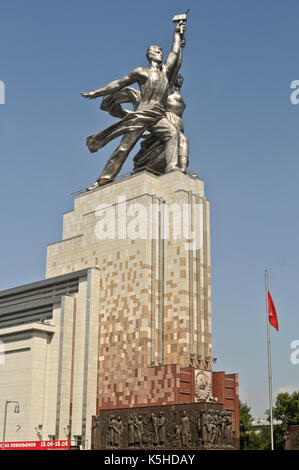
<point>170,135</point>
<point>150,156</point>
<point>183,152</point>
<point>117,159</point>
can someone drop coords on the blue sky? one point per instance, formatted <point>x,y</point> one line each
<point>239,62</point>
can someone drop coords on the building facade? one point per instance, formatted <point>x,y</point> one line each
<point>123,318</point>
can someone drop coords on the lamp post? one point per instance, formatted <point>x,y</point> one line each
<point>16,410</point>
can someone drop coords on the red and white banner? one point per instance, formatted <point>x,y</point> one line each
<point>36,445</point>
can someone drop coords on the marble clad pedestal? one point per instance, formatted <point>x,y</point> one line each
<point>122,322</point>
<point>155,289</point>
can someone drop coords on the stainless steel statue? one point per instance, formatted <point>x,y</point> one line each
<point>152,152</point>
<point>157,115</point>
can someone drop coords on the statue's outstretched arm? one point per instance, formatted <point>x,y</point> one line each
<point>174,59</point>
<point>116,85</point>
<point>176,68</point>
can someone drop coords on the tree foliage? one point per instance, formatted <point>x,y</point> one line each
<point>245,424</point>
<point>286,408</point>
<point>285,412</point>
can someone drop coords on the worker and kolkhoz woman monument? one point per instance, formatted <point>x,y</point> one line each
<point>156,118</point>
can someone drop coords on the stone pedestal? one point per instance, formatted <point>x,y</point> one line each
<point>121,324</point>
<point>291,438</point>
<point>149,237</point>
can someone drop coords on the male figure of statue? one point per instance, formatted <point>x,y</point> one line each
<point>154,82</point>
<point>151,154</point>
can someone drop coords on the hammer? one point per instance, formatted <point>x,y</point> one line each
<point>181,19</point>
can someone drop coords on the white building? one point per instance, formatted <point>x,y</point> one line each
<point>49,362</point>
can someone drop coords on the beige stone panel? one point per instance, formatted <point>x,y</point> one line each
<point>66,365</point>
<point>15,384</point>
<point>38,373</point>
<point>71,225</point>
<point>51,376</point>
<point>93,336</point>
<point>22,378</point>
<point>63,257</point>
<point>78,377</point>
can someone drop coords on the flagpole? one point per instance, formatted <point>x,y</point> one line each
<point>269,360</point>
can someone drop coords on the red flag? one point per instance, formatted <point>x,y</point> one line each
<point>272,312</point>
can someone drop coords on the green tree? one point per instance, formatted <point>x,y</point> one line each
<point>286,408</point>
<point>245,424</point>
<point>286,412</point>
<point>265,437</point>
<point>251,440</point>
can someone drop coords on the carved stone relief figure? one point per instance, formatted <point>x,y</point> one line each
<point>229,431</point>
<point>161,429</point>
<point>138,425</point>
<point>119,429</point>
<point>203,427</point>
<point>176,442</point>
<point>155,434</point>
<point>131,431</point>
<point>112,432</point>
<point>185,430</point>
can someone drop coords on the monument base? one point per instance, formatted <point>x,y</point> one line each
<point>202,425</point>
<point>291,438</point>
